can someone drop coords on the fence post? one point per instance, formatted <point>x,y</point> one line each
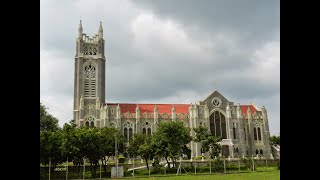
<point>267,162</point>
<point>239,162</point>
<point>133,167</point>
<point>210,164</point>
<point>49,166</point>
<point>224,165</point>
<point>252,163</point>
<point>100,167</point>
<point>149,167</point>
<point>84,168</point>
<point>67,170</point>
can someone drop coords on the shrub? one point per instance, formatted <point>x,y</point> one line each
<point>248,163</point>
<point>218,165</point>
<point>199,158</point>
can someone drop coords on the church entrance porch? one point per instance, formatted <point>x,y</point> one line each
<point>226,148</point>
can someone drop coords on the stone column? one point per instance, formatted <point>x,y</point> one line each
<point>118,118</point>
<point>138,124</point>
<point>155,118</point>
<point>241,132</point>
<point>173,111</point>
<point>266,131</point>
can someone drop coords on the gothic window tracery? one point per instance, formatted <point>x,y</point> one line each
<point>146,128</point>
<point>90,80</point>
<point>127,130</point>
<point>218,124</point>
<point>90,50</point>
<point>89,121</point>
<point>216,101</point>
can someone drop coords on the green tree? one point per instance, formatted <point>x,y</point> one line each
<point>50,147</point>
<point>107,144</point>
<point>47,121</point>
<point>50,138</point>
<point>141,145</point>
<point>88,144</point>
<point>208,140</point>
<point>274,140</point>
<point>70,146</point>
<point>169,140</point>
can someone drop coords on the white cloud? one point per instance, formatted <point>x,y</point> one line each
<point>267,61</point>
<point>56,79</point>
<point>150,31</point>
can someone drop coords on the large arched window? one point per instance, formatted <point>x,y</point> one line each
<point>146,128</point>
<point>259,133</point>
<point>257,152</point>
<point>218,124</point>
<point>255,133</point>
<point>90,80</point>
<point>89,121</point>
<point>127,130</point>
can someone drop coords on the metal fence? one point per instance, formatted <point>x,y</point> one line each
<point>136,168</point>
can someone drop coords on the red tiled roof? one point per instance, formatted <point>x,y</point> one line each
<point>162,108</point>
<point>244,109</point>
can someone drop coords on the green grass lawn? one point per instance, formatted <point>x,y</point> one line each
<point>268,175</point>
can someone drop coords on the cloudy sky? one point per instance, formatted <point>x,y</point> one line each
<point>166,51</point>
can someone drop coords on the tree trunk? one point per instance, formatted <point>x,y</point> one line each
<point>147,163</point>
<point>95,169</point>
<point>173,163</point>
<point>104,164</point>
<point>92,171</point>
<point>168,162</point>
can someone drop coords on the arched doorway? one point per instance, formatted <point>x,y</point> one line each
<point>225,150</point>
<point>218,124</point>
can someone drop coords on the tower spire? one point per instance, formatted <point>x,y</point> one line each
<point>80,30</point>
<point>100,30</point>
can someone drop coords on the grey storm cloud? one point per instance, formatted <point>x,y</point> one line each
<point>166,51</point>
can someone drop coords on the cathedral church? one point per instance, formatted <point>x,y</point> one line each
<point>244,128</point>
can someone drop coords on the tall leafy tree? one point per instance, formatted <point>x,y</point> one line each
<point>170,139</point>
<point>70,147</point>
<point>47,121</point>
<point>141,145</point>
<point>50,147</point>
<point>50,138</point>
<point>208,140</point>
<point>275,140</point>
<point>107,144</point>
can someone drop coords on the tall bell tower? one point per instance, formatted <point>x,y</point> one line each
<point>89,78</point>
